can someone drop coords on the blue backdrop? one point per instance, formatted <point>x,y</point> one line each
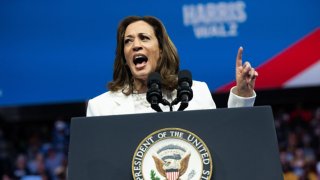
<point>63,51</point>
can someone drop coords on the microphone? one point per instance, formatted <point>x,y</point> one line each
<point>154,94</point>
<point>184,91</point>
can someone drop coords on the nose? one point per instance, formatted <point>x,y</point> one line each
<point>136,45</point>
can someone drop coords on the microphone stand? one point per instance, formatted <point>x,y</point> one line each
<point>166,103</point>
<point>183,105</point>
<point>155,104</point>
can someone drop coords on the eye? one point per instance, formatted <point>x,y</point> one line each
<point>144,38</point>
<point>126,41</point>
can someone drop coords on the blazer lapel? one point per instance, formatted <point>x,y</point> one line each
<point>123,103</point>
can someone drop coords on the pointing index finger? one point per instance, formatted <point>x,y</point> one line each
<point>239,57</point>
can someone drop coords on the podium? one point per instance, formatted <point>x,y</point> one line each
<point>242,142</point>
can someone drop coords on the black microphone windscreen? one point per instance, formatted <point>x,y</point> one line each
<point>154,77</point>
<point>185,75</point>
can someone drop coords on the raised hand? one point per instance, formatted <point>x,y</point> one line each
<point>245,76</point>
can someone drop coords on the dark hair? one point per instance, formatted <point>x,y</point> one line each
<point>167,65</point>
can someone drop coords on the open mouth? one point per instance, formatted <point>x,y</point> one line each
<point>140,59</point>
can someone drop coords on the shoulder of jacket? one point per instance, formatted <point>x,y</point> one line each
<point>109,96</point>
<point>197,84</point>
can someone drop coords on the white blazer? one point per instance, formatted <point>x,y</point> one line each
<point>114,103</point>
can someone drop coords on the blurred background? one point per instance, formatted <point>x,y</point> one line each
<point>55,55</point>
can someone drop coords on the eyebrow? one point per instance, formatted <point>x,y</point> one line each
<point>131,36</point>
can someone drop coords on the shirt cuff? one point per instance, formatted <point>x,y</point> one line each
<point>239,101</point>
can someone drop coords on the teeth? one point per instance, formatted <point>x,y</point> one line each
<point>138,57</point>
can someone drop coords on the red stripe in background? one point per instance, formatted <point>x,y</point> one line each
<point>282,67</point>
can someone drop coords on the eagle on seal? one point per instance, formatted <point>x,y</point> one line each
<point>172,167</point>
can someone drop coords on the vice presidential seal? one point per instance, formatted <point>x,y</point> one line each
<point>172,154</point>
